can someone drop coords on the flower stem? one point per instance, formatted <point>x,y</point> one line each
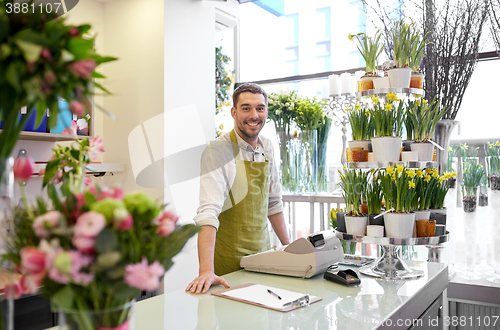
<point>25,201</point>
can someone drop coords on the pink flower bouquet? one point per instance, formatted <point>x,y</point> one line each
<point>93,251</point>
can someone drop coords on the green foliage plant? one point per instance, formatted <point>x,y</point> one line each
<point>369,48</point>
<point>424,117</point>
<point>417,49</point>
<point>473,175</point>
<point>492,151</point>
<point>223,80</point>
<point>359,119</point>
<point>374,195</point>
<point>402,42</point>
<point>309,113</point>
<point>354,184</point>
<point>387,115</point>
<point>283,109</point>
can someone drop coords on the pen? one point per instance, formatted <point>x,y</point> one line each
<point>274,294</point>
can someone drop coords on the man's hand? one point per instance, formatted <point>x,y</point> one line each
<point>204,281</point>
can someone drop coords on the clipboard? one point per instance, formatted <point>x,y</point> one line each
<point>258,296</point>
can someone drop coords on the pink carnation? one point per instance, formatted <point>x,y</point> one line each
<point>82,68</point>
<point>44,222</point>
<point>142,276</point>
<point>32,259</point>
<point>124,224</point>
<point>165,228</point>
<point>166,223</point>
<point>90,224</point>
<point>84,244</point>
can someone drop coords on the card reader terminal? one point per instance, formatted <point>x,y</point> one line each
<point>348,277</point>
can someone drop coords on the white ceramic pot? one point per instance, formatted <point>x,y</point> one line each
<point>382,82</point>
<point>409,156</point>
<point>356,225</point>
<point>399,225</point>
<point>400,77</point>
<point>425,214</point>
<point>359,144</point>
<point>386,148</point>
<point>375,231</point>
<point>425,150</point>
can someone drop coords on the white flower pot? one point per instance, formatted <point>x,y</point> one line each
<point>356,225</point>
<point>359,144</point>
<point>425,150</point>
<point>399,225</point>
<point>400,77</point>
<point>409,156</point>
<point>386,148</point>
<point>425,214</point>
<point>382,82</point>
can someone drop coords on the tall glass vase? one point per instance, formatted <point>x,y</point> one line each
<point>288,153</point>
<point>308,161</point>
<point>442,134</point>
<point>322,167</point>
<point>470,231</point>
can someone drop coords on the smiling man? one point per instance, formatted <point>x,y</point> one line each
<point>239,191</point>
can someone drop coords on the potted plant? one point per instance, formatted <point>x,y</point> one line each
<point>374,198</point>
<point>398,187</point>
<point>424,117</point>
<point>493,165</point>
<point>400,73</point>
<point>370,49</point>
<point>451,182</point>
<point>361,127</point>
<point>417,52</point>
<point>388,118</point>
<point>353,183</point>
<point>425,182</point>
<point>472,179</point>
<point>308,117</point>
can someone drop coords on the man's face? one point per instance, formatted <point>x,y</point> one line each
<point>250,115</point>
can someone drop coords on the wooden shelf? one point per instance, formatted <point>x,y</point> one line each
<point>47,137</point>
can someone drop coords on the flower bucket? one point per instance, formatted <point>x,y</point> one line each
<point>399,225</point>
<point>114,318</point>
<point>382,82</point>
<point>417,80</point>
<point>386,148</point>
<point>359,144</point>
<point>420,215</point>
<point>356,225</point>
<point>425,150</point>
<point>399,77</point>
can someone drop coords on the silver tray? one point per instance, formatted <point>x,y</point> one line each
<point>368,165</point>
<point>371,92</point>
<point>435,240</point>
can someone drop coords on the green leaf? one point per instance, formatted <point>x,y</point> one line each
<point>104,59</point>
<point>83,28</point>
<point>102,88</point>
<point>50,171</point>
<point>13,74</point>
<point>67,56</point>
<point>75,153</point>
<point>41,111</point>
<point>64,298</point>
<point>124,292</point>
<point>80,47</point>
<point>106,241</point>
<point>5,51</point>
<point>31,51</point>
<point>96,74</point>
<point>55,196</point>
<point>90,198</point>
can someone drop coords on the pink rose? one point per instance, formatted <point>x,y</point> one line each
<point>124,224</point>
<point>167,216</point>
<point>44,222</point>
<point>24,167</point>
<point>142,276</point>
<point>82,68</point>
<point>166,223</point>
<point>77,108</point>
<point>15,290</point>
<point>32,282</point>
<point>165,229</point>
<point>90,224</point>
<point>84,244</point>
<point>32,259</point>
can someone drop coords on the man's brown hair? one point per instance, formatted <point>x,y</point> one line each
<point>248,87</point>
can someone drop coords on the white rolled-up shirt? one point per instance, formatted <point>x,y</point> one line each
<point>215,183</point>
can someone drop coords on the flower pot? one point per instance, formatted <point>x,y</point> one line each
<point>386,148</point>
<point>349,153</point>
<point>399,225</point>
<point>439,215</point>
<point>375,231</point>
<point>366,82</point>
<point>114,318</point>
<point>365,144</point>
<point>425,227</point>
<point>356,225</point>
<point>409,156</point>
<point>382,82</point>
<point>359,156</point>
<point>399,77</point>
<point>425,214</point>
<point>417,80</point>
<point>425,150</point>
<point>341,221</point>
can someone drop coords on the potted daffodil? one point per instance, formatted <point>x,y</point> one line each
<point>370,49</point>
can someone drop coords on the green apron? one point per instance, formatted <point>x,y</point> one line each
<point>243,226</point>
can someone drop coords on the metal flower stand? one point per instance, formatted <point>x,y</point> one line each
<point>390,265</point>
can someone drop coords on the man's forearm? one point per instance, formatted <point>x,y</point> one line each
<point>206,247</point>
<point>279,227</point>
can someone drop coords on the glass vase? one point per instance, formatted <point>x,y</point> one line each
<point>322,167</point>
<point>493,172</point>
<point>114,318</point>
<point>470,231</point>
<point>288,146</point>
<point>495,235</point>
<point>308,161</point>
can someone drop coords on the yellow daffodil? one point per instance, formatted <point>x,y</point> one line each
<point>400,168</point>
<point>497,143</point>
<point>427,178</point>
<point>411,173</point>
<point>453,174</point>
<point>411,184</point>
<point>417,102</point>
<point>351,37</point>
<point>464,146</point>
<point>420,173</point>
<point>391,97</point>
<point>390,170</point>
<point>447,175</point>
<point>375,99</point>
<point>441,179</point>
<point>357,107</point>
<point>344,167</point>
<point>450,149</point>
<point>393,177</point>
<point>428,170</point>
<point>491,146</point>
<point>436,175</point>
<point>388,107</point>
<point>425,102</point>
